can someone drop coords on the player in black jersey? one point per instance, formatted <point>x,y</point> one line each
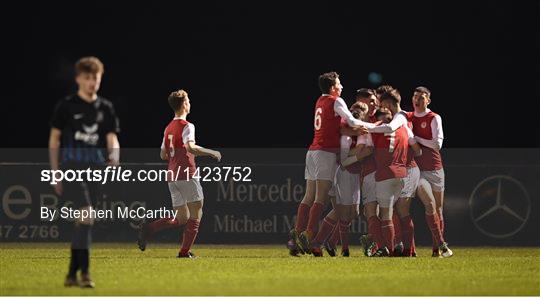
<point>83,135</point>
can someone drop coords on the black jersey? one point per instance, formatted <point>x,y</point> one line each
<point>84,128</point>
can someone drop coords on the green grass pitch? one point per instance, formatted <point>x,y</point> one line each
<point>121,269</point>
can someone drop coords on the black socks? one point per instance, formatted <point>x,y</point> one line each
<point>80,245</point>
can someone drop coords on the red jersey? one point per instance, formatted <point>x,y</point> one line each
<point>410,153</point>
<point>430,160</point>
<point>326,136</point>
<point>391,154</point>
<point>179,158</point>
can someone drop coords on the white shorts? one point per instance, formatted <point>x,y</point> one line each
<point>435,178</point>
<point>346,187</point>
<point>368,189</point>
<point>185,191</point>
<point>410,183</point>
<point>320,165</point>
<point>388,191</point>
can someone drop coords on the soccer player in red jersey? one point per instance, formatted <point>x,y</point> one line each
<point>427,128</point>
<point>370,241</point>
<point>321,160</point>
<point>179,148</point>
<point>368,97</point>
<point>347,191</point>
<point>391,150</point>
<point>407,247</point>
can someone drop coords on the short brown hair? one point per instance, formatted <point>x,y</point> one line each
<point>383,113</point>
<point>422,90</point>
<point>359,109</point>
<point>364,93</point>
<point>327,80</point>
<point>89,65</point>
<point>392,96</point>
<point>176,99</point>
<point>383,89</point>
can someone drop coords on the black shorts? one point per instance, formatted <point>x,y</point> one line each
<point>82,193</point>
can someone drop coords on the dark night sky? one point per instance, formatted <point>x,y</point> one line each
<point>251,69</point>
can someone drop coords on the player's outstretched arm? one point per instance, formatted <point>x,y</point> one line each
<point>201,151</point>
<point>396,123</point>
<point>353,131</point>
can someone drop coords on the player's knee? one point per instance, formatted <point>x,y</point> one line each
<point>182,216</point>
<point>370,210</point>
<point>386,213</point>
<point>430,207</point>
<point>308,199</point>
<point>355,212</point>
<point>423,186</point>
<point>196,215</point>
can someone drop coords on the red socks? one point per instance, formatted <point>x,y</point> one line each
<point>397,227</point>
<point>387,228</point>
<point>344,234</point>
<point>374,229</point>
<point>407,233</point>
<point>326,229</point>
<point>302,217</point>
<point>192,228</point>
<point>334,239</point>
<point>315,214</point>
<point>162,224</point>
<point>434,226</point>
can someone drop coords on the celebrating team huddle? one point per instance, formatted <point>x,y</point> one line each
<point>379,155</point>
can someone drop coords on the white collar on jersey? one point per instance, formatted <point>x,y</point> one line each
<point>178,118</point>
<point>422,114</point>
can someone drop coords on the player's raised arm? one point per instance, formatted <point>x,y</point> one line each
<point>437,133</point>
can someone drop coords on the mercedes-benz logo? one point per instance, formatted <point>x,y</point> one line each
<point>499,206</point>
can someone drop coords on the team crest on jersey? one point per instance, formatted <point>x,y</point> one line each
<point>423,125</point>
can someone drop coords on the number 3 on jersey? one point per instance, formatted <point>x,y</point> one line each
<point>318,119</point>
<point>171,146</point>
